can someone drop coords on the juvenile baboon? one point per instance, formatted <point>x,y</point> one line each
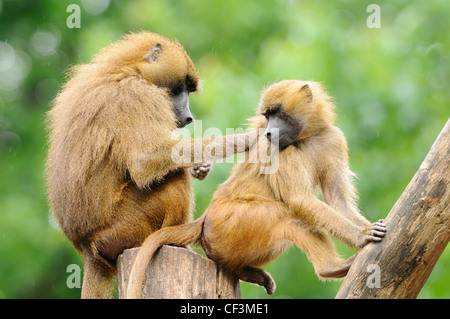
<point>253,217</point>
<point>111,177</point>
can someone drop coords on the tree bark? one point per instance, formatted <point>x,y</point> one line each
<point>418,230</point>
<point>175,272</point>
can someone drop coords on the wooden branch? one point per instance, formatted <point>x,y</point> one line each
<point>418,230</point>
<point>175,272</point>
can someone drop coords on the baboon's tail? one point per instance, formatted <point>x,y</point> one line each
<point>180,235</point>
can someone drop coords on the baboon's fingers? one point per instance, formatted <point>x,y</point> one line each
<point>379,224</point>
<point>378,233</point>
<point>379,228</point>
<point>200,172</point>
<point>374,238</point>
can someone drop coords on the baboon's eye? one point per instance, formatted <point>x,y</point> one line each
<point>176,89</point>
<point>271,110</point>
<point>190,84</point>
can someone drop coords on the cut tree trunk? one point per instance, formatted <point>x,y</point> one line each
<point>179,273</point>
<point>418,230</point>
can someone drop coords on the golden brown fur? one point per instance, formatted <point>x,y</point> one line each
<point>253,217</point>
<point>111,179</point>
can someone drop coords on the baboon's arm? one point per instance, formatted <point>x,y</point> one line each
<point>147,166</point>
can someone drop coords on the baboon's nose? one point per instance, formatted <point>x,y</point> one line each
<point>184,121</point>
<point>268,134</point>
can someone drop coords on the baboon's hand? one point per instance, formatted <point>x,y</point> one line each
<point>200,172</point>
<point>374,233</point>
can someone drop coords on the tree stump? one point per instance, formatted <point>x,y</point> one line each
<point>418,230</point>
<point>179,273</point>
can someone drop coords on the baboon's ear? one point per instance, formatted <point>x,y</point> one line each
<point>306,90</point>
<point>152,56</point>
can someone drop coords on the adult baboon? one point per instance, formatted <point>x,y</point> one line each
<point>111,178</point>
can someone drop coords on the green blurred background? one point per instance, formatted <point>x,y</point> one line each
<point>391,86</point>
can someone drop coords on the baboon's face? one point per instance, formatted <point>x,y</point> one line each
<point>180,97</point>
<point>281,127</point>
<point>289,111</point>
<point>167,66</point>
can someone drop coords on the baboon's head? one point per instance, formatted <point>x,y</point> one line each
<point>160,61</point>
<point>293,110</point>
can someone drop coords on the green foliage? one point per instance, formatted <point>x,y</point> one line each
<point>390,85</point>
